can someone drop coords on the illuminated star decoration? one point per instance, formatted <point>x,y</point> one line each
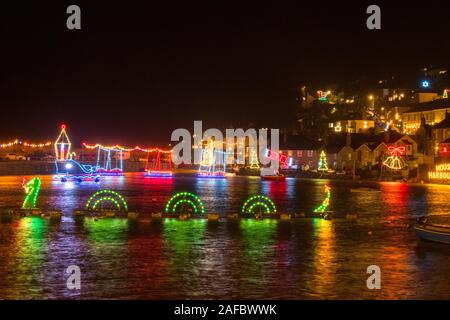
<point>395,161</point>
<point>425,84</point>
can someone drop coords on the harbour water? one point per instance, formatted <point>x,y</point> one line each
<point>269,259</point>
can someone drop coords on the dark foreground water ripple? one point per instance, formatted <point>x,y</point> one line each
<point>301,259</point>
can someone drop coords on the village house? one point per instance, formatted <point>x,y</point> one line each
<point>441,132</point>
<point>433,112</point>
<point>345,151</point>
<point>340,154</point>
<point>354,151</point>
<point>444,148</point>
<point>301,152</point>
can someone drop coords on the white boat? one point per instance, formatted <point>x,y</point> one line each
<point>432,232</point>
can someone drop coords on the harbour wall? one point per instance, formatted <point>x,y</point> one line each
<point>17,168</point>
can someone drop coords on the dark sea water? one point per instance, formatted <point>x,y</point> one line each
<point>248,259</point>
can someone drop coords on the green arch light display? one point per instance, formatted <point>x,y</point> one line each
<point>106,196</point>
<point>259,201</point>
<point>184,198</point>
<point>326,203</point>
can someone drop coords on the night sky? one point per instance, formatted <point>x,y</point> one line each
<point>136,72</point>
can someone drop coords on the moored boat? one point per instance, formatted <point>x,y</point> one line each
<point>432,232</point>
<point>364,189</point>
<point>274,177</point>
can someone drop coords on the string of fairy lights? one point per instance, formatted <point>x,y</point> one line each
<point>25,144</point>
<point>124,149</point>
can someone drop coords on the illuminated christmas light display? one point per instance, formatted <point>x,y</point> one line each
<point>323,165</point>
<point>275,156</point>
<point>108,196</point>
<point>254,163</point>
<point>441,173</point>
<point>105,160</point>
<point>158,169</point>
<point>25,144</point>
<point>181,199</point>
<point>124,149</point>
<point>9,144</point>
<point>326,203</point>
<point>323,95</point>
<point>36,145</point>
<point>267,205</point>
<point>394,161</point>
<point>67,169</point>
<point>119,159</point>
<point>32,189</point>
<point>63,145</point>
<point>213,164</point>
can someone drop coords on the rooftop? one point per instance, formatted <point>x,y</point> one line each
<point>296,142</point>
<point>431,105</point>
<point>444,123</point>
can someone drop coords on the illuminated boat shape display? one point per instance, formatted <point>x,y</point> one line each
<point>213,164</point>
<point>109,159</point>
<point>212,175</point>
<point>71,170</point>
<point>68,169</point>
<point>432,232</point>
<point>111,172</point>
<point>158,174</point>
<point>157,167</point>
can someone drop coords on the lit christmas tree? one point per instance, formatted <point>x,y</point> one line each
<point>254,163</point>
<point>323,165</point>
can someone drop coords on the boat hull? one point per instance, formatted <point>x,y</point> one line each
<point>364,190</point>
<point>273,178</point>
<point>433,233</point>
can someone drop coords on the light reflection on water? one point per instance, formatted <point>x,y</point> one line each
<point>305,258</point>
